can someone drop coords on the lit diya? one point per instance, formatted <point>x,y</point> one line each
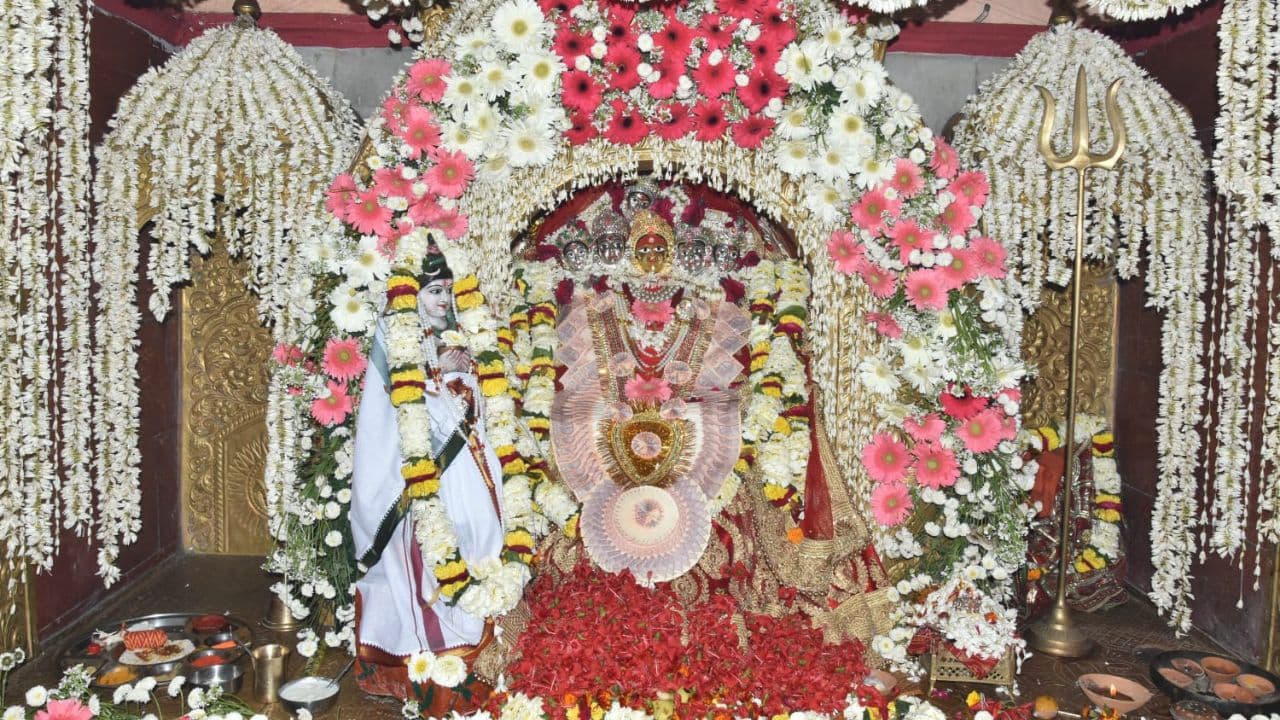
<point>1111,691</point>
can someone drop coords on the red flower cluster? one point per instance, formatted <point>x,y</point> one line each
<point>711,59</point>
<point>600,636</point>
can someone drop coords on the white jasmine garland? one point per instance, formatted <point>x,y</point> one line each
<point>45,481</point>
<point>1153,200</point>
<point>195,148</point>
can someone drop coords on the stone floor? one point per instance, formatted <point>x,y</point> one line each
<point>1126,637</point>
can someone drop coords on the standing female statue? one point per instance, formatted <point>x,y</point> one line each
<point>400,611</point>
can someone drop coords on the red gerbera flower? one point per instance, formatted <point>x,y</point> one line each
<point>627,126</point>
<point>717,33</point>
<point>776,25</point>
<point>561,6</point>
<point>710,122</point>
<point>678,122</point>
<point>580,91</point>
<point>714,80</point>
<point>582,129</point>
<point>766,51</point>
<point>622,60</point>
<point>763,85</point>
<point>961,403</point>
<point>752,130</point>
<point>619,30</point>
<point>738,8</point>
<point>669,71</point>
<point>569,44</point>
<point>674,38</point>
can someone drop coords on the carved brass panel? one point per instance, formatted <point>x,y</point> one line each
<point>224,393</point>
<point>17,609</point>
<point>1045,341</point>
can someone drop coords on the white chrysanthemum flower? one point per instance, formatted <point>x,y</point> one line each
<point>368,264</point>
<point>420,665</point>
<point>793,157</point>
<point>351,310</point>
<point>449,671</point>
<point>873,170</point>
<point>15,712</point>
<point>461,92</point>
<point>877,376</point>
<point>519,25</point>
<point>37,696</point>
<point>333,539</point>
<point>529,144</point>
<point>539,70</point>
<point>175,686</point>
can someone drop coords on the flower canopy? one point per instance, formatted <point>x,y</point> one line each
<point>236,138</point>
<point>1153,202</point>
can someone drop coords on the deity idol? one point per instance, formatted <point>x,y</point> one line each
<point>400,610</point>
<point>649,430</point>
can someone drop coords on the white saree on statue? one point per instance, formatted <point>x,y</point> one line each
<point>397,612</point>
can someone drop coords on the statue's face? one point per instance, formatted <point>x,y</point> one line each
<point>651,253</point>
<point>610,249</point>
<point>434,299</point>
<point>691,255</point>
<point>725,257</point>
<point>576,255</point>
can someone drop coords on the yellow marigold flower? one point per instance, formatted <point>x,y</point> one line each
<point>741,467</point>
<point>466,293</point>
<point>1052,440</point>
<point>539,424</point>
<point>419,470</point>
<point>789,319</point>
<point>780,425</point>
<point>1082,567</point>
<point>571,527</point>
<point>1104,444</point>
<point>400,396</point>
<point>774,491</point>
<point>973,698</point>
<point>1095,560</point>
<point>1111,516</point>
<point>452,576</point>
<point>424,489</point>
<point>597,712</point>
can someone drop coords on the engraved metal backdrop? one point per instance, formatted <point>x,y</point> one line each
<point>1044,345</point>
<point>224,392</point>
<point>17,607</point>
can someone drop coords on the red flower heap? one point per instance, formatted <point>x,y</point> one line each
<point>612,639</point>
<point>633,71</point>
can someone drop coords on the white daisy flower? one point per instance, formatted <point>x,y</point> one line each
<point>15,712</point>
<point>793,156</point>
<point>351,311</point>
<point>825,201</point>
<point>494,79</point>
<point>539,70</point>
<point>37,696</point>
<point>461,92</point>
<point>793,123</point>
<point>519,25</point>
<point>877,376</point>
<point>368,263</point>
<point>834,163</point>
<point>872,171</point>
<point>528,143</point>
<point>420,664</point>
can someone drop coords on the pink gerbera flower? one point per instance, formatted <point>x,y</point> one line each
<point>962,269</point>
<point>988,255</point>
<point>907,178</point>
<point>927,289</point>
<point>646,389</point>
<point>936,466</point>
<point>944,162</point>
<point>64,710</point>
<point>333,408</point>
<point>925,430</point>
<point>286,354</point>
<point>343,360</point>
<point>982,432</point>
<point>388,182</point>
<point>878,280</point>
<point>885,325</point>
<point>450,174</point>
<point>340,195</point>
<point>426,78</point>
<point>659,313</point>
<point>845,251</point>
<point>971,185</point>
<point>885,458</point>
<point>367,215</point>
<point>451,222</point>
<point>908,235</point>
<point>957,217</point>
<point>874,209</point>
<point>891,503</point>
<point>421,134</point>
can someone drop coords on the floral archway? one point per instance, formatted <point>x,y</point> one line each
<point>784,105</point>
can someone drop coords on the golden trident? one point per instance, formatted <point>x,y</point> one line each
<point>1056,634</point>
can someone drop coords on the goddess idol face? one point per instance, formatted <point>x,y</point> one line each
<point>435,300</point>
<point>652,254</point>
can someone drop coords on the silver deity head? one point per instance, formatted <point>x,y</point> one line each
<point>691,255</point>
<point>725,257</point>
<point>576,255</point>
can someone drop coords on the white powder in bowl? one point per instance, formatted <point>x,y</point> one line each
<point>308,689</point>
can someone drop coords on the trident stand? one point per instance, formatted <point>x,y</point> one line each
<point>1057,634</point>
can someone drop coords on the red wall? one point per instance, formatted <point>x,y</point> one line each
<point>1217,585</point>
<point>121,53</point>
